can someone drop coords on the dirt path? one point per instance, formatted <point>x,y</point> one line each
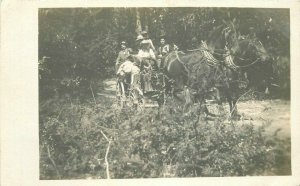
<point>109,89</point>
<point>110,84</point>
<point>274,112</point>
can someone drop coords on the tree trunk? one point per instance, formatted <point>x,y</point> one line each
<point>146,21</point>
<point>138,22</point>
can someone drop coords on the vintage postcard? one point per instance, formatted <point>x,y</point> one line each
<point>162,92</point>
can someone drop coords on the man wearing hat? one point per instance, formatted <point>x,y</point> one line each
<point>123,54</point>
<point>163,50</point>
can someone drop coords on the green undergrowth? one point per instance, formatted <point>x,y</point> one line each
<point>152,143</point>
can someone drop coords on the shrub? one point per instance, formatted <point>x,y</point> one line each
<point>155,143</point>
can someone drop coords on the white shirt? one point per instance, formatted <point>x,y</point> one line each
<point>150,43</point>
<point>128,67</point>
<point>146,54</point>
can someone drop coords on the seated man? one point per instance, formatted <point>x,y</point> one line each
<point>163,50</point>
<point>123,54</point>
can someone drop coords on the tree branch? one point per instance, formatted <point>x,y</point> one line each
<point>93,93</point>
<point>53,162</point>
<point>106,155</point>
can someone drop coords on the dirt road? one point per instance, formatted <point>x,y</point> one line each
<point>275,112</point>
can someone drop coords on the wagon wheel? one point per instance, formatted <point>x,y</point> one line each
<point>120,95</point>
<point>135,100</point>
<point>158,84</point>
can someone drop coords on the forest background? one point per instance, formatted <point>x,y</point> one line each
<point>77,52</point>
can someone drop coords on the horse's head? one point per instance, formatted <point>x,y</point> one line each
<point>259,50</point>
<point>249,53</point>
<point>248,50</point>
<point>254,60</point>
<point>216,39</point>
<point>223,36</point>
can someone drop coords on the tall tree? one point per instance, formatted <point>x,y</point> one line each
<point>138,22</point>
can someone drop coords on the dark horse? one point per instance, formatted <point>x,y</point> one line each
<point>247,53</point>
<point>201,71</point>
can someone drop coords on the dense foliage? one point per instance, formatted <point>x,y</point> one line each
<point>157,143</point>
<point>77,52</point>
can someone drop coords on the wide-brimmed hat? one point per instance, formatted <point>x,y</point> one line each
<point>123,43</point>
<point>144,32</point>
<point>139,37</point>
<point>162,36</point>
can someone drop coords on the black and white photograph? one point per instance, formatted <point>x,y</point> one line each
<point>163,92</point>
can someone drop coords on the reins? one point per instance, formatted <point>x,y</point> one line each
<point>244,66</point>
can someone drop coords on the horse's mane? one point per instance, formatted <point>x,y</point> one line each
<point>215,39</point>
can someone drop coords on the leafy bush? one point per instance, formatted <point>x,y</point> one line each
<point>155,143</point>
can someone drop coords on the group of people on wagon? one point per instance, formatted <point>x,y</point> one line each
<point>135,65</point>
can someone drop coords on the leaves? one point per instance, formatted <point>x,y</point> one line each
<point>81,45</point>
<point>150,146</point>
<point>84,42</point>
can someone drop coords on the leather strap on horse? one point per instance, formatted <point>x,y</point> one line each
<point>229,62</point>
<point>244,66</point>
<point>228,59</point>
<point>210,60</point>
